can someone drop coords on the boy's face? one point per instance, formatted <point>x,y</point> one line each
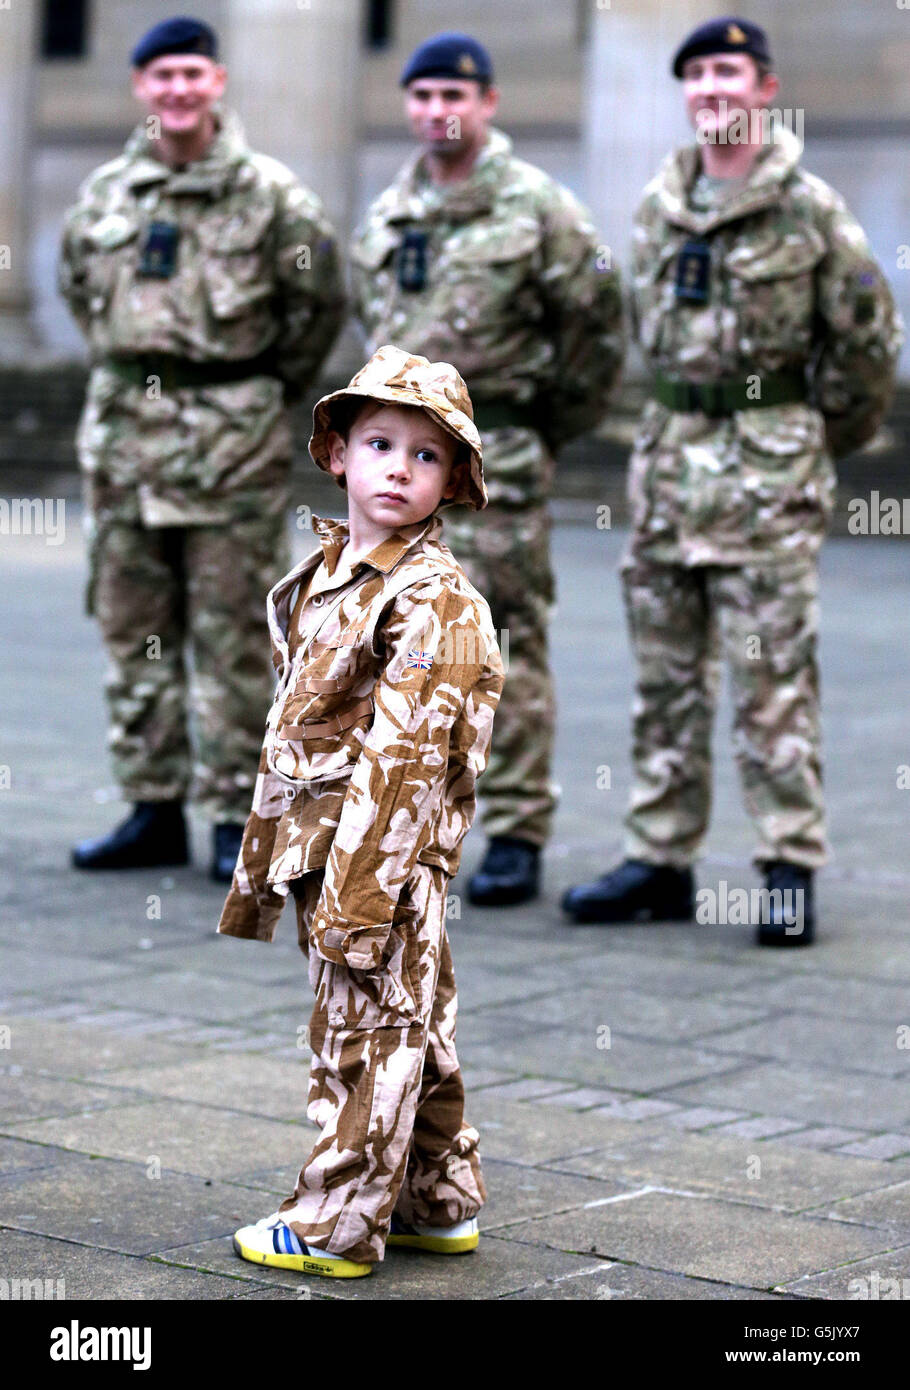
<point>180,89</point>
<point>717,86</point>
<point>397,466</point>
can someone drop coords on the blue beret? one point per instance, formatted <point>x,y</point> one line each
<point>727,35</point>
<point>449,55</point>
<point>179,35</point>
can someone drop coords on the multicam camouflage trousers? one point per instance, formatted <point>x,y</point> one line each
<point>763,620</point>
<point>385,1086</point>
<point>157,591</point>
<point>505,552</point>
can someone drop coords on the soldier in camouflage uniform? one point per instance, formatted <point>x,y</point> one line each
<point>474,256</point>
<point>388,679</point>
<point>773,338</point>
<point>207,282</point>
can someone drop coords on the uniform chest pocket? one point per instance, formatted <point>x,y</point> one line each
<point>335,666</point>
<point>375,247</point>
<point>772,289</point>
<point>236,268</point>
<point>110,248</point>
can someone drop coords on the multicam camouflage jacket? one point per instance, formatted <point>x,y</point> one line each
<point>255,277</point>
<point>519,292</point>
<point>387,685</point>
<point>792,287</point>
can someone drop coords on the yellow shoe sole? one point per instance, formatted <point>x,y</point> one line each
<point>440,1245</point>
<point>304,1264</point>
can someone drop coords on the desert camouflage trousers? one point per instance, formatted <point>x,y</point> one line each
<point>385,1087</point>
<point>763,621</point>
<point>160,595</point>
<point>505,552</point>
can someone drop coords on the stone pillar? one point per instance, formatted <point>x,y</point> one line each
<point>633,111</point>
<point>293,77</point>
<point>18,55</point>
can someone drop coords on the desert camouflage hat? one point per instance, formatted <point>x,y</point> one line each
<point>396,377</point>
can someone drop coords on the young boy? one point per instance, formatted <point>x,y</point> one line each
<point>388,678</point>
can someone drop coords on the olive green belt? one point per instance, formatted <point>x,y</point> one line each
<point>723,397</point>
<point>502,415</point>
<point>175,373</point>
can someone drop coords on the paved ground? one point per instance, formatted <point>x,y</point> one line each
<point>745,1135</point>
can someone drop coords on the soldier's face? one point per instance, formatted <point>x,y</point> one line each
<point>448,117</point>
<point>180,89</point>
<point>396,463</point>
<point>719,85</point>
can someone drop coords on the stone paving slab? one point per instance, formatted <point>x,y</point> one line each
<point>857,1047</point>
<point>758,1172</point>
<point>68,1049</point>
<point>119,1206</point>
<point>186,1137</point>
<point>18,1156</point>
<point>90,1273</point>
<point>885,1207</point>
<point>612,1281</point>
<point>256,1085</point>
<point>27,1095</point>
<point>884,1277</point>
<point>628,1064</point>
<point>817,1095</point>
<point>636,1013</point>
<point>704,1237</point>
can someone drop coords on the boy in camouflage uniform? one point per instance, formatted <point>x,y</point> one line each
<point>478,257</point>
<point>389,676</point>
<point>207,282</point>
<point>773,337</point>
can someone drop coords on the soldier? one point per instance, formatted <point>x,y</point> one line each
<point>476,257</point>
<point>773,338</point>
<point>207,281</point>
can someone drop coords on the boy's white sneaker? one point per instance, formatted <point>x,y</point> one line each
<point>272,1242</point>
<point>442,1240</point>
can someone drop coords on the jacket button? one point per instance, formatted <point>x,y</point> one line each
<point>318,600</point>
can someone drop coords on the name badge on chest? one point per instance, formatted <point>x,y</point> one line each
<point>693,272</point>
<point>158,252</point>
<point>412,261</point>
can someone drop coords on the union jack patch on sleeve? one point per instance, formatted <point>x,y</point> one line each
<point>419,661</point>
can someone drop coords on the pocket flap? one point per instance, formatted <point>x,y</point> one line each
<point>241,230</point>
<point>374,247</point>
<point>777,256</point>
<point>496,244</point>
<point>111,231</point>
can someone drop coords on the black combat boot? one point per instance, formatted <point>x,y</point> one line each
<point>152,836</point>
<point>510,873</point>
<point>634,892</point>
<point>789,918</point>
<point>227,837</point>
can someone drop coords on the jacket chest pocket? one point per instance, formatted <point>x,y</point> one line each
<point>374,257</point>
<point>492,273</point>
<point>771,281</point>
<point>236,270</point>
<point>321,724</point>
<point>111,251</point>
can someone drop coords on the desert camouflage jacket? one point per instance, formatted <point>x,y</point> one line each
<point>256,271</point>
<point>519,292</point>
<point>792,286</point>
<point>388,681</point>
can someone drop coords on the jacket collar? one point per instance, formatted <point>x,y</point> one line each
<point>210,174</point>
<point>333,535</point>
<point>414,195</point>
<point>763,188</point>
